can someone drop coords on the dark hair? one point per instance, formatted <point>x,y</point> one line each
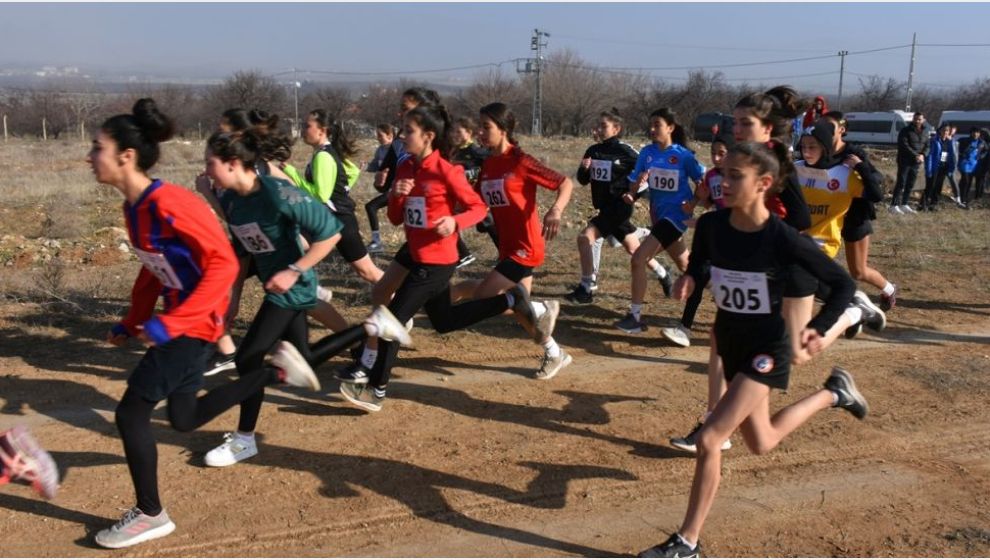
<point>238,118</point>
<point>339,135</point>
<point>435,119</point>
<point>776,107</point>
<point>725,139</point>
<point>503,117</point>
<point>679,136</point>
<point>141,131</point>
<point>467,123</point>
<point>612,116</point>
<point>243,145</point>
<point>422,96</point>
<point>766,159</point>
<point>916,114</point>
<point>386,128</point>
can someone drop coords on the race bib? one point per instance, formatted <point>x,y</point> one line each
<point>741,292</point>
<point>664,180</point>
<point>944,157</point>
<point>253,239</point>
<point>493,192</point>
<point>601,170</point>
<point>416,211</point>
<point>715,186</point>
<point>812,178</point>
<point>157,264</point>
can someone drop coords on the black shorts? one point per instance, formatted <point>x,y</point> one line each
<point>760,351</point>
<point>800,282</point>
<point>174,367</point>
<point>613,220</point>
<point>350,246</point>
<point>513,270</point>
<point>404,257</point>
<point>666,233</point>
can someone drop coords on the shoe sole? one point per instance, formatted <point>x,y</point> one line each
<point>566,362</point>
<point>309,380</point>
<point>681,343</point>
<point>546,323</point>
<point>151,534</point>
<point>397,332</point>
<point>684,447</point>
<point>219,369</point>
<point>45,470</point>
<point>359,403</point>
<point>850,386</point>
<point>227,464</point>
<point>637,330</point>
<point>864,300</point>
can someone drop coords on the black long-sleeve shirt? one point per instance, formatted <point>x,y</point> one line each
<point>911,143</point>
<point>750,271</point>
<point>611,163</point>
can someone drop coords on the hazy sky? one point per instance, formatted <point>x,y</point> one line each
<point>216,39</point>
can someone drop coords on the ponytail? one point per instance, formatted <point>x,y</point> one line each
<point>435,119</point>
<point>142,131</point>
<point>503,117</point>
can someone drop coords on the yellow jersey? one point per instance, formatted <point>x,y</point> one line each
<point>828,192</point>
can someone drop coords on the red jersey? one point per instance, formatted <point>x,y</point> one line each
<point>187,260</point>
<point>508,186</point>
<point>438,187</point>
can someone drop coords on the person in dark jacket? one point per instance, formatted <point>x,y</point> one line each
<point>939,163</point>
<point>982,166</point>
<point>972,150</point>
<point>912,145</point>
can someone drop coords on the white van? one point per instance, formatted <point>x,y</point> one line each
<point>965,120</point>
<point>880,127</point>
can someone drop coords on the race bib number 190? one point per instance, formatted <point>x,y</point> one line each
<point>493,193</point>
<point>664,179</point>
<point>741,292</point>
<point>157,264</point>
<point>416,211</point>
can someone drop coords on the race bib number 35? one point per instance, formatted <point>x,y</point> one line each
<point>416,211</point>
<point>493,193</point>
<point>601,170</point>
<point>741,292</point>
<point>665,180</point>
<point>157,264</point>
<point>253,239</point>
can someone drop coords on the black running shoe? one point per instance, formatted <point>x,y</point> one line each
<point>853,331</point>
<point>580,295</point>
<point>888,302</point>
<point>873,317</point>
<point>667,283</point>
<point>841,383</point>
<point>220,362</point>
<point>674,547</point>
<point>594,286</point>
<point>354,373</point>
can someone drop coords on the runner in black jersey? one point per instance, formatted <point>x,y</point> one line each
<point>464,151</point>
<point>857,227</point>
<point>750,252</point>
<point>606,166</point>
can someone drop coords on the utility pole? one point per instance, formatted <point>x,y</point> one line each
<point>910,88</point>
<point>531,66</point>
<point>842,71</point>
<point>295,95</point>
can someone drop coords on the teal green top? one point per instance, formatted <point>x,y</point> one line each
<point>267,223</point>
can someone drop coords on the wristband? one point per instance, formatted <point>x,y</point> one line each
<point>296,269</point>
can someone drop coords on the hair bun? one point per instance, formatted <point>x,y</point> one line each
<point>154,125</point>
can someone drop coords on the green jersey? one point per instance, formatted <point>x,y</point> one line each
<point>267,223</point>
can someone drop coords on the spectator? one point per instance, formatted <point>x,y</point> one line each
<point>912,145</point>
<point>972,150</point>
<point>815,112</point>
<point>983,165</point>
<point>939,164</point>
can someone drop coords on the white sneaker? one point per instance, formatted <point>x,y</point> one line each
<point>383,324</point>
<point>679,335</point>
<point>552,366</point>
<point>896,210</point>
<point>234,449</point>
<point>135,527</point>
<point>324,294</point>
<point>905,209</point>
<point>409,325</point>
<point>642,233</point>
<point>613,242</point>
<point>297,371</point>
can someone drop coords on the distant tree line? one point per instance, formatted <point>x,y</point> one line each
<point>574,93</point>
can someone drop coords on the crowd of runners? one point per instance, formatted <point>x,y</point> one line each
<point>768,223</point>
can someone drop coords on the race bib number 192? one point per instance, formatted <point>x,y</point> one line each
<point>741,292</point>
<point>601,170</point>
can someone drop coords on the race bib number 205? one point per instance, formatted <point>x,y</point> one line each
<point>741,292</point>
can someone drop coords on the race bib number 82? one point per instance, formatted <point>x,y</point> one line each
<point>416,212</point>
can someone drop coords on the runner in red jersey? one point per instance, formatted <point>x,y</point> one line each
<point>508,184</point>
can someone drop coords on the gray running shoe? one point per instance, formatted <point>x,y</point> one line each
<point>361,396</point>
<point>133,528</point>
<point>552,366</point>
<point>841,383</point>
<point>630,325</point>
<point>873,317</point>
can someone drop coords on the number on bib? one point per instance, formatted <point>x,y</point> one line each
<point>157,264</point>
<point>741,292</point>
<point>493,192</point>
<point>665,180</point>
<point>601,170</point>
<point>812,177</point>
<point>715,186</point>
<point>415,211</point>
<point>253,239</point>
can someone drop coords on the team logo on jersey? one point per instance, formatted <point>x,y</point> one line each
<point>291,194</point>
<point>672,160</point>
<point>649,159</point>
<point>833,185</point>
<point>522,253</point>
<point>763,363</point>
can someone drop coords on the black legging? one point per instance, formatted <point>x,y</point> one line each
<point>186,412</point>
<point>428,287</point>
<point>373,206</point>
<point>487,225</point>
<point>274,323</point>
<point>694,300</point>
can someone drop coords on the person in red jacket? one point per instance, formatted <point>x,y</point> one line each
<point>423,198</point>
<point>188,262</point>
<point>817,110</point>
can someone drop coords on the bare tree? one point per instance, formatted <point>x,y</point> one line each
<point>337,101</point>
<point>249,90</point>
<point>878,94</point>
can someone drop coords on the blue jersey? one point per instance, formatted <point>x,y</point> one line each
<point>668,173</point>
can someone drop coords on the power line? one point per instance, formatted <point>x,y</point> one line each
<point>676,46</point>
<point>398,72</point>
